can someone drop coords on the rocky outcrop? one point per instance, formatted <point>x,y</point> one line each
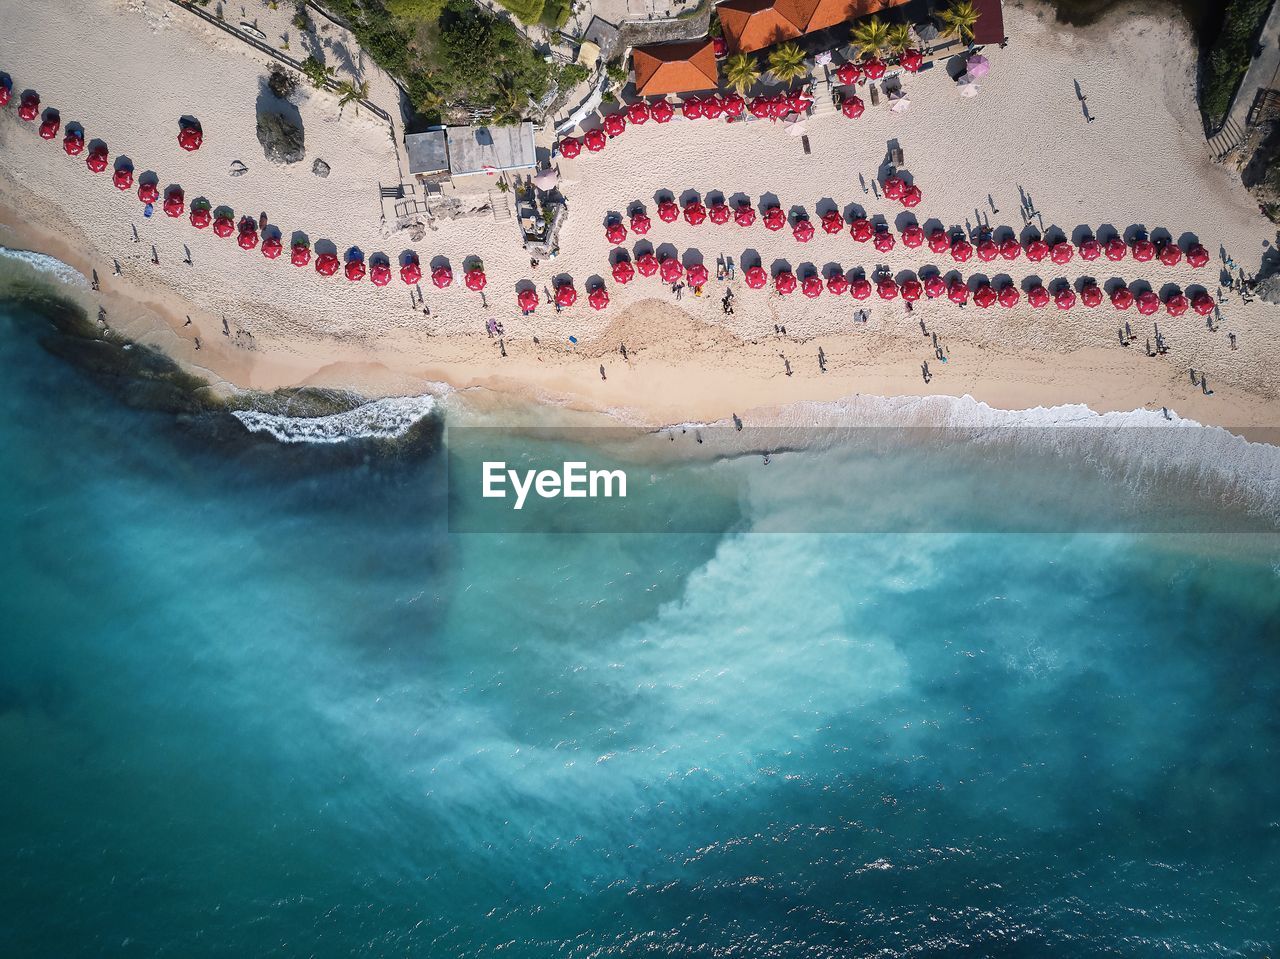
<point>282,138</point>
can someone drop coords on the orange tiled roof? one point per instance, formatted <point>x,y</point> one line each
<point>751,25</point>
<point>675,67</point>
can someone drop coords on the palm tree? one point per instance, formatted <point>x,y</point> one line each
<point>870,36</point>
<point>352,91</point>
<point>742,70</point>
<point>787,63</point>
<point>958,20</point>
<point>898,37</point>
<point>315,71</point>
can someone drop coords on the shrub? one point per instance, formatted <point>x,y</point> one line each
<point>282,83</point>
<point>571,75</point>
<point>1229,58</point>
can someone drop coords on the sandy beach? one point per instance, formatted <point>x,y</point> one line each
<point>141,64</point>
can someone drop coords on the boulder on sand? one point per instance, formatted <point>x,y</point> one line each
<point>282,139</point>
<point>320,168</point>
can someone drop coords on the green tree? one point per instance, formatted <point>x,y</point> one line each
<point>870,36</point>
<point>415,10</point>
<point>958,20</point>
<point>787,62</point>
<point>350,91</point>
<point>742,71</point>
<point>315,71</point>
<point>898,37</point>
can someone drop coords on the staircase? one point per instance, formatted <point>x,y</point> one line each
<point>1230,136</point>
<point>500,204</point>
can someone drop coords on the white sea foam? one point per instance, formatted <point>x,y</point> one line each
<point>379,419</point>
<point>43,263</point>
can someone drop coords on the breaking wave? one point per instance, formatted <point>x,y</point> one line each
<point>44,263</point>
<point>384,419</point>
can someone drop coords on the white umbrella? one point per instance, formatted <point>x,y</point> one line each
<point>968,90</point>
<point>794,124</point>
<point>978,65</point>
<point>822,57</point>
<point>546,179</point>
<point>899,103</point>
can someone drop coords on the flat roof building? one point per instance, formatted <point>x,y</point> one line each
<point>491,149</point>
<point>428,153</point>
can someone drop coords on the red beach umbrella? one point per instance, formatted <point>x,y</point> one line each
<point>734,105</point>
<point>647,264</point>
<point>594,140</point>
<point>720,47</point>
<point>29,108</point>
<point>300,255</point>
<point>570,147</point>
<point>615,233</point>
<point>832,222</point>
<point>475,279</point>
<point>958,292</point>
<point>1064,299</point>
<point>527,300</point>
<point>668,212</point>
<point>756,277</point>
<point>327,264</point>
<point>911,289</point>
<point>566,295</point>
<point>4,95</point>
<point>623,272</point>
<point>802,231</point>
<point>860,288</point>
<point>1115,249</point>
<point>122,178</point>
<point>640,224</point>
<point>695,213</point>
<point>811,287</point>
<point>934,287</point>
<point>1122,299</point>
<point>615,125</point>
<point>912,196</point>
<point>1010,249</point>
<point>1091,295</point>
<point>248,240</point>
<point>1037,250</point>
<point>1202,303</point>
<point>598,298</point>
<point>97,161</point>
<point>355,270</point>
<point>175,204</point>
<point>719,213</point>
<point>961,250</point>
<point>759,107</point>
<point>1144,251</point>
<point>837,285</point>
<point>984,297</point>
<point>884,241</point>
<point>892,187</point>
<point>887,289</point>
<point>190,138</point>
<point>272,248</point>
<point>148,193</point>
<point>691,108</point>
<point>779,106</point>
<point>861,229</point>
<point>712,107</point>
<point>662,111</point>
<point>873,68</point>
<point>1171,255</point>
<point>849,73</point>
<point>379,272</point>
<point>638,113</point>
<point>73,144</point>
<point>50,127</point>
<point>697,275</point>
<point>671,270</point>
<point>798,101</point>
<point>852,107</point>
<point>1176,305</point>
<point>939,242</point>
<point>785,282</point>
<point>441,277</point>
<point>774,218</point>
<point>411,271</point>
<point>911,60</point>
<point>200,217</point>
<point>987,250</point>
<point>1009,296</point>
<point>1197,256</point>
<point>1148,302</point>
<point>1062,252</point>
<point>913,236</point>
<point>223,226</point>
<point>1090,249</point>
<point>1038,297</point>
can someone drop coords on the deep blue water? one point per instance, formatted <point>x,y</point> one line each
<point>260,702</point>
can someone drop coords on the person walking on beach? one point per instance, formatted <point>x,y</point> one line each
<point>602,376</point>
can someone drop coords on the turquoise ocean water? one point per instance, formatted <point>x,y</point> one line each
<point>257,700</point>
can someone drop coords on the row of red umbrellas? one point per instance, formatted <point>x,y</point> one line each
<point>190,136</point>
<point>566,294</point>
<point>896,188</point>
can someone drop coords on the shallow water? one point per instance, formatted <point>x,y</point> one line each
<point>258,700</point>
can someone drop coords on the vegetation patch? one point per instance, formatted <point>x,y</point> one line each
<point>1230,57</point>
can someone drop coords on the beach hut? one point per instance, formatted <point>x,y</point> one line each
<point>594,140</point>
<point>958,291</point>
<point>200,216</point>
<point>861,229</point>
<point>832,222</point>
<point>887,289</point>
<point>733,105</point>
<point>623,272</point>
<point>1202,303</point>
<point>190,138</point>
<point>411,270</point>
<point>911,289</point>
<point>837,285</point>
<point>1115,249</point>
<point>647,264</point>
<point>884,241</point>
<point>984,297</point>
<point>1037,250</point>
<point>812,287</point>
<point>1090,249</point>
<point>961,250</point>
<point>248,240</point>
<point>744,215</point>
<point>1122,298</point>
<point>123,180</point>
<point>640,224</point>
<point>598,298</point>
<point>987,250</point>
<point>476,279</point>
<point>913,236</point>
<point>934,286</point>
<point>912,196</point>
<point>1148,302</point>
<point>272,247</point>
<point>719,212</point>
<point>1009,296</point>
<point>1064,299</point>
<point>774,219</point>
<point>327,264</point>
<point>860,288</point>
<point>1176,305</point>
<point>224,226</point>
<point>1061,252</point>
<point>784,281</point>
<point>615,233</point>
<point>802,231</point>
<point>354,270</point>
<point>566,294</point>
<point>939,242</point>
<point>1197,255</point>
<point>1010,249</point>
<point>570,147</point>
<point>148,192</point>
<point>441,277</point>
<point>50,126</point>
<point>1170,255</point>
<point>614,125</point>
<point>29,107</point>
<point>873,69</point>
<point>1091,295</point>
<point>756,277</point>
<point>671,270</point>
<point>695,213</point>
<point>691,109</point>
<point>697,275</point>
<point>73,143</point>
<point>892,187</point>
<point>668,212</point>
<point>1144,251</point>
<point>911,60</point>
<point>175,203</point>
<point>712,107</point>
<point>527,300</point>
<point>638,113</point>
<point>849,73</point>
<point>662,111</point>
<point>1038,297</point>
<point>300,255</point>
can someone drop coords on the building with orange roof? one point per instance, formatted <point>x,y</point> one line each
<point>683,67</point>
<point>751,25</point>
